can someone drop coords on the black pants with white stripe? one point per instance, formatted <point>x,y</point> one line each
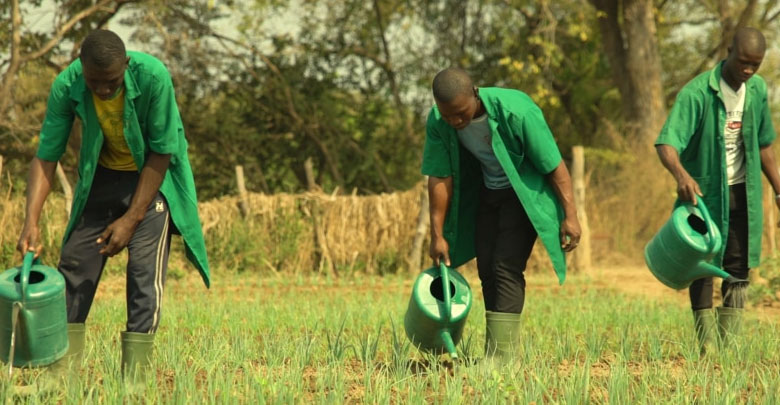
<point>81,263</point>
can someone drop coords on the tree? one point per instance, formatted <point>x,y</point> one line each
<point>628,34</point>
<point>32,55</point>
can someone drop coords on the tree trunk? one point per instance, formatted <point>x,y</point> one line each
<point>631,46</point>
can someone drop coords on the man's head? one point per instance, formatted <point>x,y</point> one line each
<point>456,97</point>
<point>745,56</point>
<point>103,62</point>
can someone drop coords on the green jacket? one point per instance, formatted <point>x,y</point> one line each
<point>152,123</point>
<point>695,128</point>
<point>526,150</point>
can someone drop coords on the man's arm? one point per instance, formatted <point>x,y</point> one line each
<point>570,231</point>
<point>440,195</point>
<point>769,167</point>
<point>39,181</point>
<point>687,187</point>
<point>118,234</point>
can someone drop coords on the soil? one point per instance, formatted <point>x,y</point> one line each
<point>639,281</point>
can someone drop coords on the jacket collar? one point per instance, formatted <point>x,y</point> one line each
<point>490,108</point>
<point>715,76</point>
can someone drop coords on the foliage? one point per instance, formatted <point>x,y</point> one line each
<point>267,84</point>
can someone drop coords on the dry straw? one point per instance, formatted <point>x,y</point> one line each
<point>629,197</point>
<point>371,233</point>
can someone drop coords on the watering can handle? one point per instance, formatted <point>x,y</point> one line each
<point>24,277</point>
<point>708,219</point>
<point>445,281</point>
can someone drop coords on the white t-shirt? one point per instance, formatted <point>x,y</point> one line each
<point>732,133</point>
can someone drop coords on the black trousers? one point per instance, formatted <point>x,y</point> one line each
<point>504,239</point>
<point>82,265</point>
<point>735,257</point>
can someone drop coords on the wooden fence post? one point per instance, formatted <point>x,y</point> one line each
<point>320,240</point>
<point>582,254</point>
<point>66,189</point>
<point>414,259</point>
<point>243,203</point>
<point>771,219</point>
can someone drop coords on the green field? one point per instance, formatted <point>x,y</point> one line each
<point>260,340</point>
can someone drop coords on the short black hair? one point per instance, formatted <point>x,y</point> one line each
<point>102,49</point>
<point>450,83</point>
<point>749,38</point>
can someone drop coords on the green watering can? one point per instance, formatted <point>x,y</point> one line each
<point>678,255</point>
<point>33,318</point>
<point>438,307</point>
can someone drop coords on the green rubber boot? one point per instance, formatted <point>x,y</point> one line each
<point>70,364</point>
<point>729,324</point>
<point>502,335</point>
<point>136,359</point>
<point>704,322</point>
<point>62,370</point>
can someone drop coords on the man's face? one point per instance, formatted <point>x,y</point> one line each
<point>460,111</point>
<point>105,82</point>
<point>742,63</point>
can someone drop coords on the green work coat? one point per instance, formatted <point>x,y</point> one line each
<point>695,128</point>
<point>525,149</point>
<point>152,124</point>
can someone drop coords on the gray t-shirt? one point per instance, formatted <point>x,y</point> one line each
<point>476,137</point>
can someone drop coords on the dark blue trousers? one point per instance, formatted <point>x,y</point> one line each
<point>82,265</point>
<point>735,257</point>
<point>504,239</point>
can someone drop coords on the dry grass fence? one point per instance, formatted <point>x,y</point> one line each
<point>373,234</point>
<point>629,196</point>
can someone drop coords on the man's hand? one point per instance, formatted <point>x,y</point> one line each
<point>440,249</point>
<point>688,188</point>
<point>117,236</point>
<point>570,233</point>
<point>29,240</point>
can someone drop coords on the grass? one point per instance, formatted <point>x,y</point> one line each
<point>261,340</point>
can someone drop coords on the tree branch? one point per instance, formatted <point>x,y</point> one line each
<point>100,6</point>
<point>18,59</point>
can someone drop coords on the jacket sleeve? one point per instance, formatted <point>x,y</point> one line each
<point>683,121</point>
<point>58,121</point>
<point>164,122</point>
<point>766,130</point>
<point>537,140</point>
<point>436,154</point>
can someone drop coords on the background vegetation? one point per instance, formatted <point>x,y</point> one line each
<point>267,83</point>
<point>344,85</point>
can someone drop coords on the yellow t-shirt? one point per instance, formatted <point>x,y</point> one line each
<point>115,153</point>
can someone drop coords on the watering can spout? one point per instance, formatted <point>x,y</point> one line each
<point>705,269</point>
<point>449,344</point>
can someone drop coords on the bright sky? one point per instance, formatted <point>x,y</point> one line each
<point>42,19</point>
